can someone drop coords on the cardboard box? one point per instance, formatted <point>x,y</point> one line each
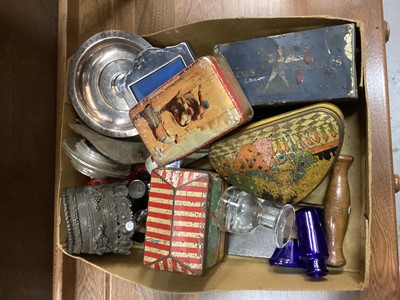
<point>240,273</point>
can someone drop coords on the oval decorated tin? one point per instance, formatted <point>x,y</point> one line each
<point>283,158</point>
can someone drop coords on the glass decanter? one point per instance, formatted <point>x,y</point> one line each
<point>241,212</point>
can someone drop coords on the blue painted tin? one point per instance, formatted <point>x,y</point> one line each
<point>298,67</point>
<point>152,68</point>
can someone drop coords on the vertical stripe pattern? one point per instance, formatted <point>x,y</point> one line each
<point>176,220</point>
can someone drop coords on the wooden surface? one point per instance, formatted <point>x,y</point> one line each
<point>28,54</point>
<point>151,16</point>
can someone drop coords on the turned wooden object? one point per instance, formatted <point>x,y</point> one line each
<point>337,210</point>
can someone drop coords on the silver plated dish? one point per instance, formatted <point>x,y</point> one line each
<point>88,161</point>
<point>92,77</point>
<point>119,150</point>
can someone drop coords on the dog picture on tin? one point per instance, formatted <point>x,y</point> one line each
<point>191,110</point>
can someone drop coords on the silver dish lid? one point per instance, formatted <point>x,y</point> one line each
<point>119,150</point>
<point>88,161</point>
<point>92,77</point>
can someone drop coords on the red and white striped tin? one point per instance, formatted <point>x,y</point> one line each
<point>181,234</point>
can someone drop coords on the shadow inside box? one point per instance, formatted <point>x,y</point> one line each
<point>299,272</point>
<point>288,270</point>
<point>264,112</point>
<point>313,279</point>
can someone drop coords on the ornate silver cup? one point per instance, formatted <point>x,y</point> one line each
<point>98,218</point>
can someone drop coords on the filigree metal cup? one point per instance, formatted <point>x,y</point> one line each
<point>98,218</point>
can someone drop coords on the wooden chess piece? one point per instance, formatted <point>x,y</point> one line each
<point>337,210</point>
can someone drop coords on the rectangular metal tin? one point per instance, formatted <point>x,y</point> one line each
<point>152,68</point>
<point>305,66</point>
<point>194,108</point>
<point>181,234</point>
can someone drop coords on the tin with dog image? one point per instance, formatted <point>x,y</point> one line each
<point>190,111</point>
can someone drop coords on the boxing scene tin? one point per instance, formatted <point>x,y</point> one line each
<point>298,67</point>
